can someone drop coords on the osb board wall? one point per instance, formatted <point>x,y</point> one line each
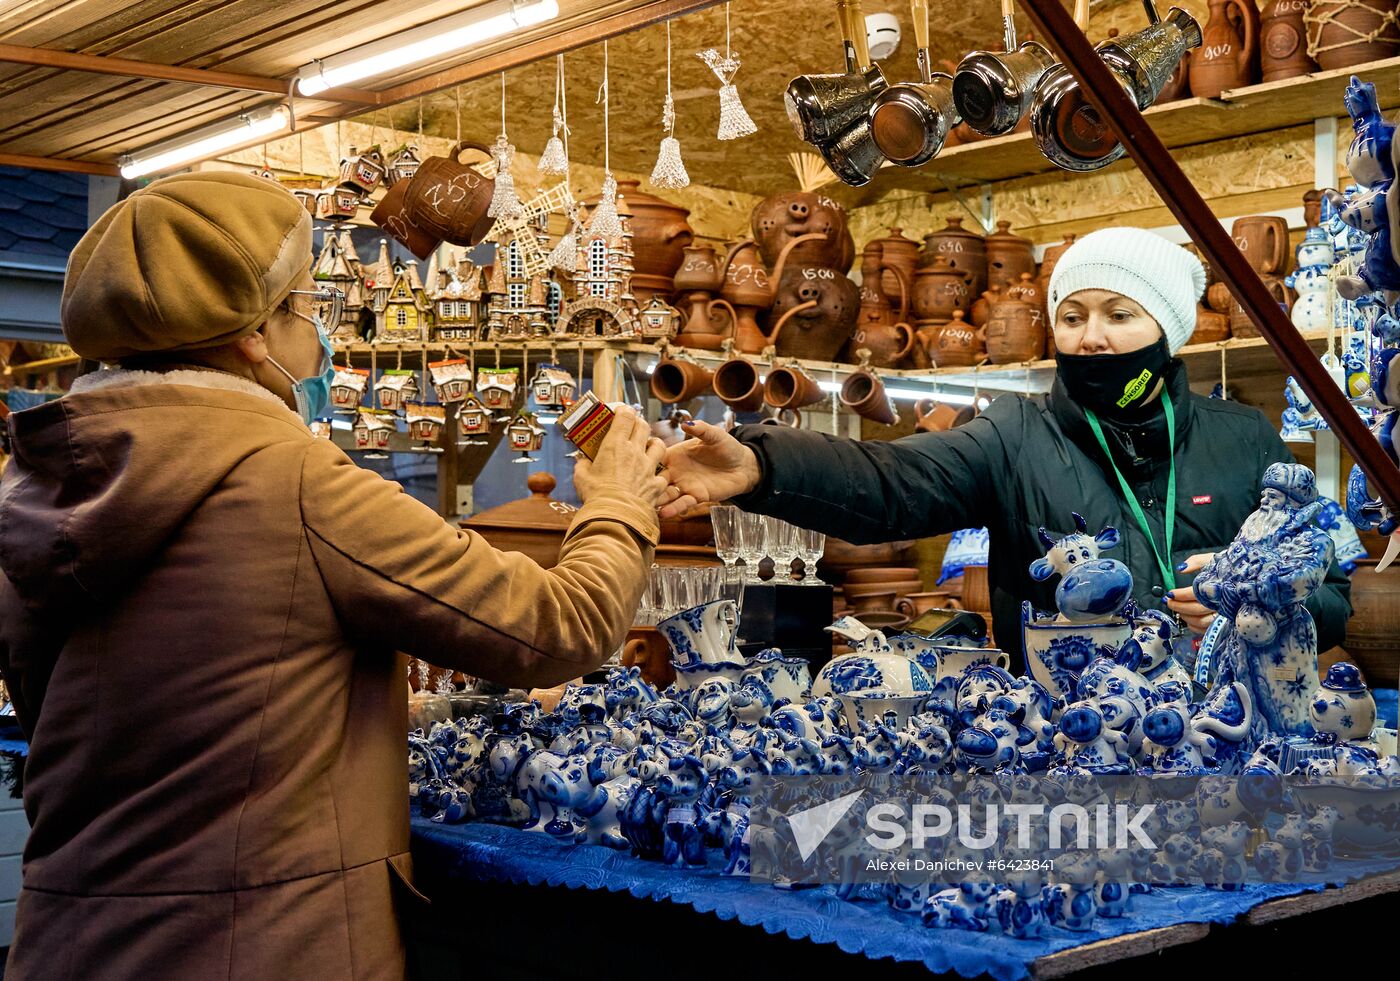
<point>716,214</point>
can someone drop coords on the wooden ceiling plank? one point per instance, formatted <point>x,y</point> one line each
<point>54,163</point>
<point>112,138</point>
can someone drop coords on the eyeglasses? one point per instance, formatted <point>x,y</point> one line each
<point>330,299</point>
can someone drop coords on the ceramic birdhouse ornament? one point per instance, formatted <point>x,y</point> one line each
<point>496,387</point>
<point>525,434</point>
<point>403,164</point>
<point>425,421</point>
<point>659,319</point>
<point>452,380</point>
<point>373,428</point>
<point>337,203</point>
<point>363,171</point>
<point>396,388</point>
<point>553,387</point>
<point>348,388</point>
<point>473,418</point>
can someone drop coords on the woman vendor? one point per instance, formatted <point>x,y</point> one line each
<point>201,605</point>
<point>1120,439</point>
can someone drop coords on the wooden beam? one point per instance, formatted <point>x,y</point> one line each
<point>593,32</point>
<point>59,164</point>
<point>104,65</point>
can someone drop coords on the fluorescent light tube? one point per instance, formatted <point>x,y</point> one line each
<point>205,143</point>
<point>424,43</point>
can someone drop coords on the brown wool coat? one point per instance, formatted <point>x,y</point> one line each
<point>198,620</point>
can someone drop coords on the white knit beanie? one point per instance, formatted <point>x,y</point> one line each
<point>1162,277</point>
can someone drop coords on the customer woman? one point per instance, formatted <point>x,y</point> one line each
<point>1119,440</point>
<point>202,603</point>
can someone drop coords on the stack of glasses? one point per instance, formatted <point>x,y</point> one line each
<point>741,536</point>
<point>672,589</point>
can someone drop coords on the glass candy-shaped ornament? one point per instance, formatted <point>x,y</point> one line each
<point>734,121</point>
<point>669,172</point>
<point>505,203</point>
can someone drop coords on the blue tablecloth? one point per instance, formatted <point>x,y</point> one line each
<point>494,853</point>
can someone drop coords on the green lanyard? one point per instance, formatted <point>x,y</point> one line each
<point>1163,563</point>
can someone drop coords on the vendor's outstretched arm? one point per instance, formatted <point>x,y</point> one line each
<point>867,492</point>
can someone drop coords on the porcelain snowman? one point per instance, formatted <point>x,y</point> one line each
<point>1311,311</point>
<point>1342,709</point>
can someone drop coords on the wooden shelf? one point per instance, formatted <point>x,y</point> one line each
<point>1186,122</point>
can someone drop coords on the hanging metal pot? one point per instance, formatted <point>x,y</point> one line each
<point>909,122</point>
<point>820,107</point>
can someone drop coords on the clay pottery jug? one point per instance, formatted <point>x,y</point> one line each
<point>1340,28</point>
<point>1210,327</point>
<point>1283,41</point>
<point>900,256</point>
<point>878,326</point>
<point>736,383</point>
<point>889,344</point>
<point>939,289</point>
<point>1227,53</point>
<point>448,200</point>
<point>1312,208</point>
<point>700,269</point>
<point>677,380</point>
<point>1008,256</point>
<point>1373,632</point>
<point>1264,241</point>
<point>935,417</point>
<point>748,290</point>
<point>1241,325</point>
<point>779,219</point>
<point>976,589</point>
<point>819,331</point>
<point>965,250</point>
<point>1015,331</point>
<point>660,234</point>
<point>958,344</point>
<point>982,308</point>
<point>789,387</point>
<point>864,394</point>
<point>705,321</point>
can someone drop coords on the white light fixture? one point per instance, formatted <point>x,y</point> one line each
<point>205,143</point>
<point>425,43</point>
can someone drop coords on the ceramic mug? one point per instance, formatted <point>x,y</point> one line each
<point>737,385</point>
<point>864,393</point>
<point>705,634</point>
<point>913,604</point>
<point>878,602</point>
<point>448,200</point>
<point>936,417</point>
<point>674,380</point>
<point>391,214</point>
<point>789,387</point>
<point>1264,241</point>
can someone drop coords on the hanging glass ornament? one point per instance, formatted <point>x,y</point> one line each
<point>505,203</point>
<point>734,121</point>
<point>669,172</point>
<point>564,255</point>
<point>554,161</point>
<point>604,223</point>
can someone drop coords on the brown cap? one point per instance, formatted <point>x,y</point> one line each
<point>191,261</point>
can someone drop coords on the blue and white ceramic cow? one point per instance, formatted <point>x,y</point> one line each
<point>1092,588</point>
<point>966,907</point>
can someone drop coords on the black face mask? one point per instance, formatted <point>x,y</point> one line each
<point>1118,386</point>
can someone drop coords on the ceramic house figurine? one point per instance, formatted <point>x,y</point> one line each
<point>553,386</point>
<point>348,388</point>
<point>405,314</point>
<point>396,388</point>
<point>659,320</point>
<point>452,380</point>
<point>372,429</point>
<point>1263,637</point>
<point>600,301</point>
<point>424,421</point>
<point>496,387</point>
<point>363,171</point>
<point>525,433</point>
<point>517,294</point>
<point>403,164</point>
<point>338,265</point>
<point>473,418</point>
<point>337,203</point>
<point>457,304</point>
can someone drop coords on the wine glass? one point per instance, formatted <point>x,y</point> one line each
<point>812,545</point>
<point>724,518</point>
<point>786,549</point>
<point>753,544</point>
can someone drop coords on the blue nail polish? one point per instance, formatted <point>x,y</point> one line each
<point>1181,568</point>
<point>1170,596</point>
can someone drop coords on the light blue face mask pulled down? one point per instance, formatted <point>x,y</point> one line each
<point>312,394</point>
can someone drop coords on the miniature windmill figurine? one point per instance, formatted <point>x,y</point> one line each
<point>734,121</point>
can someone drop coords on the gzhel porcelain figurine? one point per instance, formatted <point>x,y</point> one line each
<point>1343,709</point>
<point>1263,636</point>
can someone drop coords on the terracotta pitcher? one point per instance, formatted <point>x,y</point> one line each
<point>448,200</point>
<point>879,328</point>
<point>1337,31</point>
<point>900,256</point>
<point>749,288</point>
<point>1264,241</point>
<point>958,344</point>
<point>698,281</point>
<point>965,250</point>
<point>1008,256</point>
<point>939,289</point>
<point>819,331</point>
<point>1228,54</point>
<point>1283,41</point>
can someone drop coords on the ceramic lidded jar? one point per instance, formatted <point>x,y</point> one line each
<point>660,234</point>
<point>1283,41</point>
<point>982,307</point>
<point>820,331</point>
<point>1338,32</point>
<point>958,344</point>
<point>897,253</point>
<point>779,219</point>
<point>966,251</point>
<point>939,289</point>
<point>1008,256</point>
<point>1015,330</point>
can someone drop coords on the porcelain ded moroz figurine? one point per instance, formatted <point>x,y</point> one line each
<point>1263,636</point>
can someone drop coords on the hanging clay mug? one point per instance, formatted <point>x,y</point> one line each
<point>678,379</point>
<point>816,332</point>
<point>1227,55</point>
<point>864,394</point>
<point>789,387</point>
<point>736,383</point>
<point>1283,45</point>
<point>1264,241</point>
<point>936,417</point>
<point>448,200</point>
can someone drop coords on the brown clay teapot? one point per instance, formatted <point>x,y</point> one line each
<point>966,251</point>
<point>699,270</point>
<point>1283,41</point>
<point>749,288</point>
<point>1228,54</point>
<point>1008,256</point>
<point>820,331</point>
<point>939,289</point>
<point>779,219</point>
<point>1015,329</point>
<point>982,307</point>
<point>958,344</point>
<point>660,234</point>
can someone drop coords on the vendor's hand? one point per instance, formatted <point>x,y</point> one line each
<point>1182,600</point>
<point>710,466</point>
<point>627,461</point>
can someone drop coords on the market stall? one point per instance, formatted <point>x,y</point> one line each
<point>849,230</point>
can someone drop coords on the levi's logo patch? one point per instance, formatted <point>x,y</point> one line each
<point>1200,498</point>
